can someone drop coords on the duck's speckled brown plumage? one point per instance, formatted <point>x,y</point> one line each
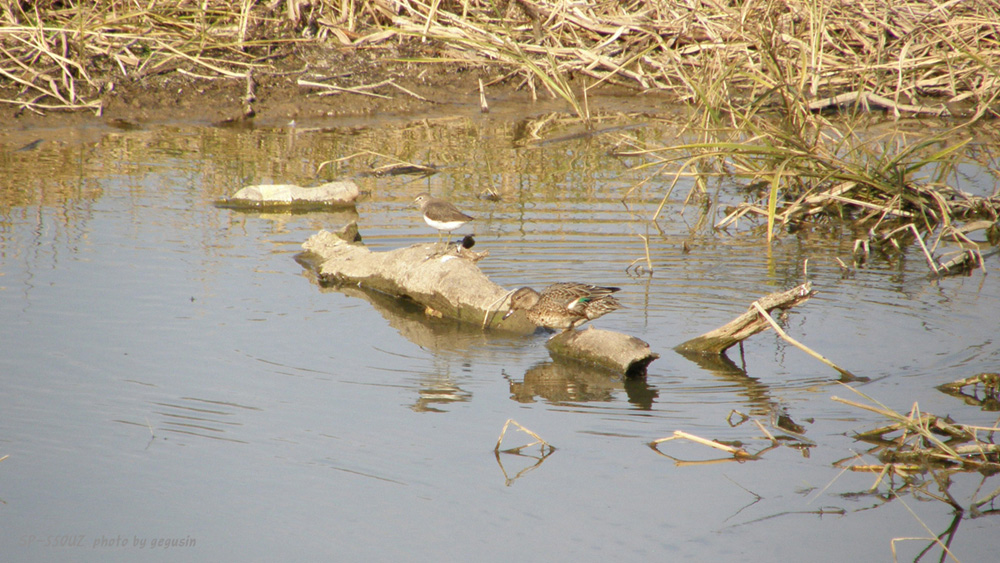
<point>564,305</point>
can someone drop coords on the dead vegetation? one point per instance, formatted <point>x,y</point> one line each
<point>916,454</point>
<point>917,445</point>
<point>64,55</point>
<point>907,57</point>
<point>545,449</point>
<point>783,432</point>
<point>773,52</point>
<point>900,187</point>
<point>968,389</point>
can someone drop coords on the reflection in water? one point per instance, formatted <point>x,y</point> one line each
<point>545,450</point>
<point>758,395</point>
<point>559,382</point>
<point>323,219</point>
<point>740,455</point>
<point>942,541</point>
<point>526,462</point>
<point>968,390</point>
<point>410,320</point>
<point>437,390</point>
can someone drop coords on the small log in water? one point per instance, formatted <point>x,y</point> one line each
<point>446,281</point>
<point>613,350</point>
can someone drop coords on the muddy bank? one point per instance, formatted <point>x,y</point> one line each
<point>273,96</point>
<point>403,89</point>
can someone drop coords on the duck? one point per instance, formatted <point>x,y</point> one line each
<point>564,306</point>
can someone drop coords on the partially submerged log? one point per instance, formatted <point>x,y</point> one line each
<point>612,350</point>
<point>447,282</point>
<point>746,325</point>
<point>290,196</point>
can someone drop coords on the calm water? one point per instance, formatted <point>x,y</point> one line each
<point>174,386</point>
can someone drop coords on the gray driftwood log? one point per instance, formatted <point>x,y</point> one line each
<point>746,325</point>
<point>613,350</point>
<point>448,283</point>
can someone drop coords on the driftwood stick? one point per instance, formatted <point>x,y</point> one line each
<point>767,317</point>
<point>737,453</point>
<point>717,341</point>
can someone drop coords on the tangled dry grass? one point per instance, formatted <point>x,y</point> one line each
<point>912,56</point>
<point>918,443</point>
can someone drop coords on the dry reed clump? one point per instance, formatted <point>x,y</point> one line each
<point>919,443</point>
<point>914,55</point>
<point>898,187</point>
<point>59,55</point>
<point>821,53</point>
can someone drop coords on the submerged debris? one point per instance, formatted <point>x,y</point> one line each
<point>968,390</point>
<point>918,444</point>
<point>788,433</point>
<point>545,450</point>
<point>931,441</point>
<point>539,441</point>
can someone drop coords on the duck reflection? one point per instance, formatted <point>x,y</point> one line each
<point>559,382</point>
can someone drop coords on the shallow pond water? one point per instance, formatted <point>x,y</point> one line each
<point>174,385</point>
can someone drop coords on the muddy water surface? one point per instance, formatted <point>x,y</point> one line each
<point>174,386</point>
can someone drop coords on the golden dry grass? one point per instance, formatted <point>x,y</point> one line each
<point>919,443</point>
<point>913,56</point>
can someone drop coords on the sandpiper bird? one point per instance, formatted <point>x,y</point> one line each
<point>440,214</point>
<point>564,305</point>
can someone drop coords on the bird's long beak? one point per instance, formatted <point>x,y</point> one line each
<point>508,313</point>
